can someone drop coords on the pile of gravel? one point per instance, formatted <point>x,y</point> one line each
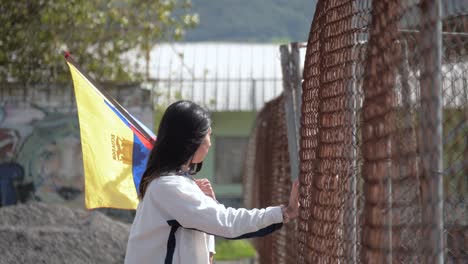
<point>45,233</point>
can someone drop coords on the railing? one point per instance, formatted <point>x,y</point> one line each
<point>217,94</point>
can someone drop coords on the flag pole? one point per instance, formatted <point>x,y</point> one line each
<point>122,110</point>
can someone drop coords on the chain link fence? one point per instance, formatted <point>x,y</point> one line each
<point>383,138</point>
<point>267,155</point>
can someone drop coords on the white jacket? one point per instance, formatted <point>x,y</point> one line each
<point>175,216</point>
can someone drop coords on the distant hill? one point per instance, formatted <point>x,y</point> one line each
<point>252,20</point>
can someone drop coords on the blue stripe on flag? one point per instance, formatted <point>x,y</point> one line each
<point>140,157</point>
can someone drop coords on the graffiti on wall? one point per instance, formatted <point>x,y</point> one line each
<point>47,148</point>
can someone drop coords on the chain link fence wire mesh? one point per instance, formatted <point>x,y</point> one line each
<point>329,153</point>
<point>383,150</point>
<point>383,132</point>
<point>267,155</point>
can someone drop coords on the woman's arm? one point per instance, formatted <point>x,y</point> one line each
<point>186,204</point>
<point>289,212</point>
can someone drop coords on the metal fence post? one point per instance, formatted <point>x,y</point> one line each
<point>253,95</point>
<point>289,110</point>
<point>352,203</point>
<point>431,124</point>
<point>296,74</point>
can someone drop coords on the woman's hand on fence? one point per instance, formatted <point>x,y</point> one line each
<point>293,208</point>
<point>205,186</point>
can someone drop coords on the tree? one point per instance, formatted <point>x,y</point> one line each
<point>34,34</point>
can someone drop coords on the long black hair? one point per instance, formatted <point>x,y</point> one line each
<point>182,130</point>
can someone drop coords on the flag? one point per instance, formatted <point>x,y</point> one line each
<point>114,144</point>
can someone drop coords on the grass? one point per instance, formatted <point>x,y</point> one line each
<point>233,249</point>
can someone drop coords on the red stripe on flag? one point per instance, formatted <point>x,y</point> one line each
<point>143,140</point>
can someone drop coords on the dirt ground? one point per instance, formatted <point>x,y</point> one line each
<point>45,233</point>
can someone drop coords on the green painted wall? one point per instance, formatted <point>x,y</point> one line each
<point>226,124</point>
<point>223,124</point>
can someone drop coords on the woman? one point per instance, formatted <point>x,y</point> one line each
<point>178,215</point>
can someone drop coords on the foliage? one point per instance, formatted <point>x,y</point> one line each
<point>34,34</point>
<point>233,249</point>
<point>253,20</point>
